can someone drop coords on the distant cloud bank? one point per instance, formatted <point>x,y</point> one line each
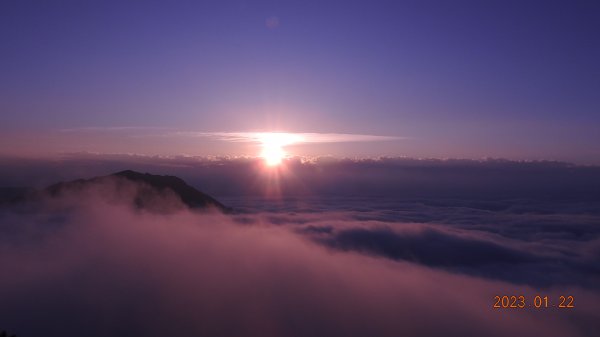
<point>326,176</point>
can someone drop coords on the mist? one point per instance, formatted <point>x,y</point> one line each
<point>88,266</point>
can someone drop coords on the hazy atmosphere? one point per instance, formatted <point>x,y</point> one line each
<point>299,168</point>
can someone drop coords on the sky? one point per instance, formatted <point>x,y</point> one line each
<point>439,79</point>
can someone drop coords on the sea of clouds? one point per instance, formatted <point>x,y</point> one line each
<point>314,265</point>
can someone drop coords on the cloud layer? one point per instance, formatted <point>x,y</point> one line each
<point>490,182</point>
<point>297,137</point>
<point>88,266</point>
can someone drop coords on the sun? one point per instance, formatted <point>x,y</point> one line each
<point>273,144</point>
<point>272,154</point>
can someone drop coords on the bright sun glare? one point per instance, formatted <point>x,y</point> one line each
<point>273,144</point>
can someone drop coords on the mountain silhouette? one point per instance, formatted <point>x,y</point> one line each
<point>149,191</point>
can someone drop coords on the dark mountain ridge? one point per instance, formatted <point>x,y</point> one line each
<point>149,191</point>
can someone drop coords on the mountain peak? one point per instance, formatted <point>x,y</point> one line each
<point>152,179</point>
<point>147,185</point>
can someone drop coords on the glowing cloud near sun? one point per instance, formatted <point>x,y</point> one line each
<point>273,144</point>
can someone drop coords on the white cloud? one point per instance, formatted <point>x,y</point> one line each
<point>299,137</point>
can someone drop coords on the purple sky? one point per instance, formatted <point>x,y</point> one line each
<point>466,79</point>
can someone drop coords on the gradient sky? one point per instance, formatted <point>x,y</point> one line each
<point>467,79</point>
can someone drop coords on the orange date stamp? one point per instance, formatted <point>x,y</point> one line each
<point>535,302</point>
